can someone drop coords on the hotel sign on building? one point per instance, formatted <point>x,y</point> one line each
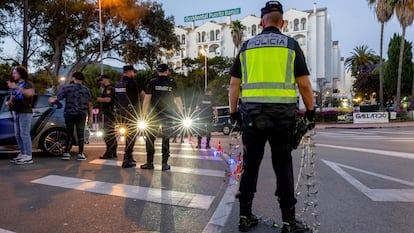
<point>211,15</point>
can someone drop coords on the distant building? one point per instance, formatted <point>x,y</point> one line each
<point>311,28</point>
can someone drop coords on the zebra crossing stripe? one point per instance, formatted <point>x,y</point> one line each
<point>190,200</point>
<point>181,156</point>
<point>5,231</point>
<point>193,171</point>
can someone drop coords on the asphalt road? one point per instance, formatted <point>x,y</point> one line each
<point>363,183</point>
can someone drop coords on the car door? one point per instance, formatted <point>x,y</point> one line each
<point>6,123</point>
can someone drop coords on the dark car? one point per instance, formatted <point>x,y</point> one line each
<point>47,128</point>
<point>222,120</point>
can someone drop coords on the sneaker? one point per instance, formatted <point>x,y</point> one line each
<point>65,156</point>
<point>81,157</point>
<point>18,157</point>
<point>127,164</point>
<point>25,160</point>
<point>295,227</point>
<point>246,223</point>
<point>165,167</point>
<point>147,166</point>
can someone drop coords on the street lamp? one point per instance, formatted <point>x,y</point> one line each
<point>100,35</point>
<point>204,52</point>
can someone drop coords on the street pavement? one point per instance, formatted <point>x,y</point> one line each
<point>221,215</point>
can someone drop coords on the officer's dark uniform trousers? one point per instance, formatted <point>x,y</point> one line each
<point>110,134</point>
<point>166,133</point>
<point>264,123</point>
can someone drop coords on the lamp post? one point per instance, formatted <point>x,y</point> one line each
<point>204,52</point>
<point>100,35</point>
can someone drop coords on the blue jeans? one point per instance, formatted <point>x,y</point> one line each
<point>22,124</point>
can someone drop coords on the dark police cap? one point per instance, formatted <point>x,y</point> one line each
<point>272,6</point>
<point>162,67</point>
<point>104,76</point>
<point>78,76</point>
<point>128,67</point>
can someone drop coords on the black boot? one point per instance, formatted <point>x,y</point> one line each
<point>290,224</point>
<point>246,223</point>
<point>295,226</point>
<point>128,161</point>
<point>247,219</point>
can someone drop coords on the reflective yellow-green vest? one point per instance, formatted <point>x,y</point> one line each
<point>267,65</point>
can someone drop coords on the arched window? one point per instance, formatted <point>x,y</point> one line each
<point>254,30</point>
<point>301,40</point>
<point>303,24</point>
<point>211,35</point>
<point>198,37</point>
<point>203,37</point>
<point>183,39</point>
<point>296,25</point>
<point>217,34</point>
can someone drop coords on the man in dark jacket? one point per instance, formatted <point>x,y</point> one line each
<point>160,94</point>
<point>128,94</point>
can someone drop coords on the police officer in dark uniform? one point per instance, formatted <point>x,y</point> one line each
<point>160,94</point>
<point>128,94</point>
<point>268,68</point>
<point>107,100</point>
<point>206,116</point>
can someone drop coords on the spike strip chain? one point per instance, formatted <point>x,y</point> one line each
<point>306,183</point>
<point>235,153</point>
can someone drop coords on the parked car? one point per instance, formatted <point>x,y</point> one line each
<point>47,129</point>
<point>222,120</point>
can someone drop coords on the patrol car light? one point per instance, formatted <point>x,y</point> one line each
<point>142,125</point>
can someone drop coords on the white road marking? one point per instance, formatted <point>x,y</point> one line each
<point>373,151</point>
<point>223,210</point>
<point>397,195</point>
<point>156,195</point>
<point>193,171</point>
<point>5,231</point>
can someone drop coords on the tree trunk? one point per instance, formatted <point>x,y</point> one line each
<point>25,34</point>
<point>398,98</point>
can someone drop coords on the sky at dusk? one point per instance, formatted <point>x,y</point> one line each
<point>353,21</point>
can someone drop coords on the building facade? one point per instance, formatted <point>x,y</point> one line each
<point>311,28</point>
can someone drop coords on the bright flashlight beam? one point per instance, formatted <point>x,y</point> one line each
<point>122,130</point>
<point>187,122</point>
<point>142,125</point>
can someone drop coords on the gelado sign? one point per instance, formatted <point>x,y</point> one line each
<point>370,117</point>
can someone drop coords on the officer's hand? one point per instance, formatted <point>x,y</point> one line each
<point>310,118</point>
<point>235,118</point>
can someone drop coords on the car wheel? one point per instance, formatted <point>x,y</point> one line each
<point>226,130</point>
<point>53,142</point>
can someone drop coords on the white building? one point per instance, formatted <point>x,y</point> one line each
<point>311,28</point>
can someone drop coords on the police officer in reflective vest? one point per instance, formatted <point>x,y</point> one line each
<point>163,106</point>
<point>266,71</point>
<point>128,94</point>
<point>107,100</point>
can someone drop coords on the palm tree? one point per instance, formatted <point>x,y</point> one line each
<point>384,10</point>
<point>237,35</point>
<point>404,10</point>
<point>361,61</point>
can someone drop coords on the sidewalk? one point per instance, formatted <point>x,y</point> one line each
<point>364,125</point>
